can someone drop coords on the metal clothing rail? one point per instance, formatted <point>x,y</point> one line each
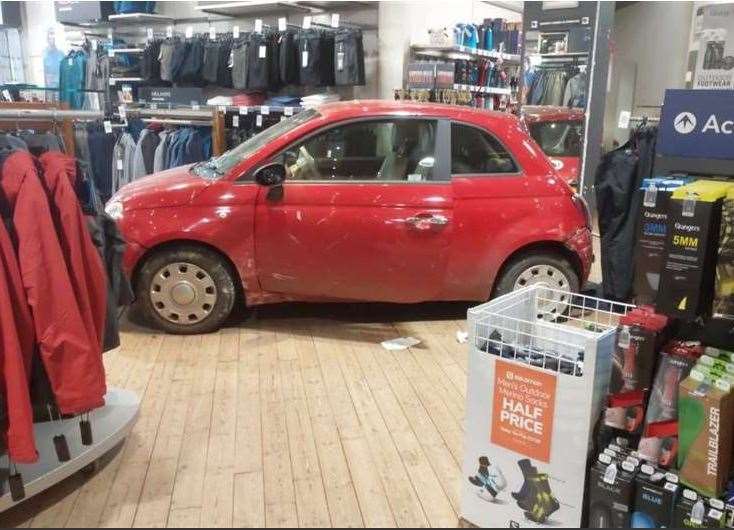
<point>49,114</point>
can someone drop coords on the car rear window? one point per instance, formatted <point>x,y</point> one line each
<point>559,138</point>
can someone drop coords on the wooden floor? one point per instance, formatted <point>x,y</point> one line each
<point>294,417</point>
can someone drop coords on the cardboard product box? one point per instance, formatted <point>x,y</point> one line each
<point>724,298</point>
<point>656,494</point>
<point>652,232</point>
<point>706,433</point>
<point>689,272</point>
<point>611,493</point>
<point>695,511</point>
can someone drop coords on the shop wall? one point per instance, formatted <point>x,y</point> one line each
<point>650,52</point>
<point>404,23</point>
<point>39,16</point>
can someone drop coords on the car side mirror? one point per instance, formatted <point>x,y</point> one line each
<point>271,175</point>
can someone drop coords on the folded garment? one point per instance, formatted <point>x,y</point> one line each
<point>220,100</point>
<point>318,99</point>
<point>284,101</point>
<point>250,100</point>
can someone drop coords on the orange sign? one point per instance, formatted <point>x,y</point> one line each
<point>523,410</point>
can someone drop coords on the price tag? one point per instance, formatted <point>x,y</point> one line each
<point>169,32</point>
<point>236,120</point>
<point>150,33</point>
<point>282,24</point>
<point>95,45</point>
<point>189,32</point>
<point>288,111</point>
<point>625,338</point>
<point>119,164</point>
<point>71,61</point>
<point>230,63</point>
<point>304,59</point>
<point>195,105</point>
<point>265,110</point>
<point>651,196</point>
<point>107,126</point>
<point>212,33</point>
<point>112,81</point>
<point>259,120</point>
<point>258,25</point>
<point>109,34</point>
<point>244,110</point>
<point>236,32</point>
<point>307,22</point>
<point>624,119</point>
<point>610,474</point>
<point>340,61</point>
<point>122,111</point>
<point>689,205</point>
<point>263,53</point>
<point>335,20</point>
<point>110,52</point>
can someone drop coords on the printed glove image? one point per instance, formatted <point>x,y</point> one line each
<point>489,477</point>
<point>535,497</point>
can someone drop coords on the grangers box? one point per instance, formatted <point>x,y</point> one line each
<point>652,232</point>
<point>688,275</point>
<point>694,511</point>
<point>724,298</point>
<point>611,493</point>
<point>706,432</point>
<point>656,494</point>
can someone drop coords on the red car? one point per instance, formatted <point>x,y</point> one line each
<point>559,132</point>
<point>356,201</point>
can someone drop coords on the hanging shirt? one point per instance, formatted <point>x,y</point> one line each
<point>70,356</point>
<point>86,269</point>
<point>52,58</point>
<point>72,75</point>
<point>17,345</point>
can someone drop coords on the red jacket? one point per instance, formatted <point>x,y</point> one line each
<point>16,352</point>
<point>88,274</point>
<point>71,357</point>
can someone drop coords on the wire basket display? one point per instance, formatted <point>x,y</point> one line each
<point>544,327</point>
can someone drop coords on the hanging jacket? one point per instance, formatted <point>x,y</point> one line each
<point>72,73</point>
<point>16,352</point>
<point>71,358</point>
<point>86,269</point>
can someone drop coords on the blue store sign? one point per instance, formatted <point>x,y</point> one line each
<point>697,124</point>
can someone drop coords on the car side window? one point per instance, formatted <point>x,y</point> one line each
<point>476,152</point>
<point>380,150</point>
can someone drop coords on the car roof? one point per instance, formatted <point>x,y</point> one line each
<point>532,113</point>
<point>372,107</point>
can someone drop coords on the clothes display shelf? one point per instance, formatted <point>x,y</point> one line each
<point>112,424</point>
<point>464,53</point>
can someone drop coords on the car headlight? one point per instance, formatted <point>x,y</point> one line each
<point>115,210</point>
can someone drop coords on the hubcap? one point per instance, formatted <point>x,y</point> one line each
<point>556,301</point>
<point>183,293</point>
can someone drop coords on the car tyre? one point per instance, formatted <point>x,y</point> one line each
<point>550,270</point>
<point>186,290</point>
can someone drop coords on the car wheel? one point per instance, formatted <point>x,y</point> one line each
<point>546,270</point>
<point>186,290</point>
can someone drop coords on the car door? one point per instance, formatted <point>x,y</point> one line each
<point>366,213</point>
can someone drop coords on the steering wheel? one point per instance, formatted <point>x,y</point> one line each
<point>305,167</point>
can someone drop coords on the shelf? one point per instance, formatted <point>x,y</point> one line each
<point>462,52</point>
<point>114,80</point>
<point>484,89</point>
<point>126,50</point>
<point>139,18</point>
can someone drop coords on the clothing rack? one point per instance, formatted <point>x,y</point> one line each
<point>47,116</point>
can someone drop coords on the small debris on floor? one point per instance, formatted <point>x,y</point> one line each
<point>462,337</point>
<point>402,343</point>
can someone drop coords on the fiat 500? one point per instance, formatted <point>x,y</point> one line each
<point>363,201</point>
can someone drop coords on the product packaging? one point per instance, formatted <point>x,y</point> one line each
<point>656,494</point>
<point>611,493</point>
<point>659,443</point>
<point>724,299</point>
<point>694,511</point>
<point>641,334</point>
<point>688,277</point>
<point>706,431</point>
<point>652,233</point>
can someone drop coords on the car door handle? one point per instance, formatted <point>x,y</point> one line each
<point>426,221</point>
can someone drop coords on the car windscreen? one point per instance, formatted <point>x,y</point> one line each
<point>219,166</point>
<point>559,138</point>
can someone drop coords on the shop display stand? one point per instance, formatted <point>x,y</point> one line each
<point>111,424</point>
<point>539,364</point>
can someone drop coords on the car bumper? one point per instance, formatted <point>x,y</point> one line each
<point>581,244</point>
